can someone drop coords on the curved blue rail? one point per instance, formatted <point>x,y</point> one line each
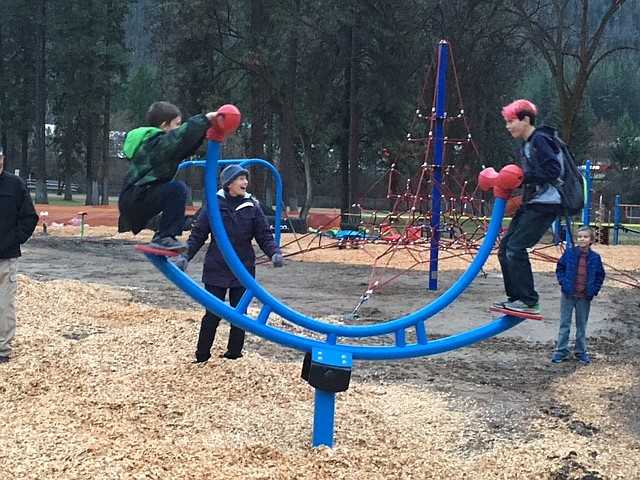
<point>297,318</point>
<point>243,162</point>
<point>300,342</point>
<point>333,333</point>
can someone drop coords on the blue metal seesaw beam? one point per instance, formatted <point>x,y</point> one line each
<point>334,333</point>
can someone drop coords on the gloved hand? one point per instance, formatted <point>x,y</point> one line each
<point>182,261</point>
<point>277,260</point>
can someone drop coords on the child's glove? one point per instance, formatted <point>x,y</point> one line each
<point>182,261</point>
<point>277,260</point>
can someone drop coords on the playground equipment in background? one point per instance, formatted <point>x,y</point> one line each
<point>44,215</point>
<point>429,213</point>
<point>331,348</point>
<point>631,213</point>
<point>82,223</point>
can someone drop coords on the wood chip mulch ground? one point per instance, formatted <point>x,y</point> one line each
<point>101,388</point>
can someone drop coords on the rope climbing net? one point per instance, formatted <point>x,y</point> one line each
<point>428,204</point>
<point>403,223</point>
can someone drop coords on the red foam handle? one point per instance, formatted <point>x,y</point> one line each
<point>504,182</point>
<point>227,121</point>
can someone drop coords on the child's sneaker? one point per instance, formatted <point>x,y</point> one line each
<point>500,304</point>
<point>583,357</point>
<point>520,306</point>
<point>169,243</point>
<point>558,357</point>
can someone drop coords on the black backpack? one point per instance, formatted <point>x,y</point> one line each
<point>572,187</point>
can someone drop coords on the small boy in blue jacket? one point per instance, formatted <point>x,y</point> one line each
<point>580,274</point>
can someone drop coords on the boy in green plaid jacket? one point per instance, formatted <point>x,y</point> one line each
<point>149,188</point>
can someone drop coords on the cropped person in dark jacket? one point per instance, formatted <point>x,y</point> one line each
<point>18,220</point>
<point>243,220</point>
<point>149,188</point>
<point>580,274</point>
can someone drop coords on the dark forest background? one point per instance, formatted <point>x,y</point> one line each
<point>326,88</point>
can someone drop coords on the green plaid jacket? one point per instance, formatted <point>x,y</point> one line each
<point>155,154</point>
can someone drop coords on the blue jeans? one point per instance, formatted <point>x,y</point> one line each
<point>171,200</point>
<point>138,206</point>
<point>526,229</point>
<point>567,306</point>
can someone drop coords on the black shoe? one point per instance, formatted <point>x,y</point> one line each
<point>4,359</point>
<point>228,356</point>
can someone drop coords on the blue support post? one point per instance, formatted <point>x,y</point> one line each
<point>328,371</point>
<point>587,200</point>
<point>438,153</point>
<point>324,418</point>
<point>568,236</point>
<point>616,220</point>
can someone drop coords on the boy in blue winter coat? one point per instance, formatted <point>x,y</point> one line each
<point>244,220</point>
<point>580,274</point>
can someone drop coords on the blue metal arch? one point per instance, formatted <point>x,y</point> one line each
<point>333,333</point>
<point>243,162</point>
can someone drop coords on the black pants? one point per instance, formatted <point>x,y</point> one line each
<point>210,323</point>
<point>525,230</point>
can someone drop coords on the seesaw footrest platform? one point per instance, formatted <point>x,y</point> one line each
<point>155,251</point>
<point>513,313</point>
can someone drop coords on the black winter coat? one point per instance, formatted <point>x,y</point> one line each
<point>18,217</point>
<point>243,224</point>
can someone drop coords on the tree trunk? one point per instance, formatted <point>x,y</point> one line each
<point>40,103</point>
<point>90,174</point>
<point>25,171</point>
<point>270,198</point>
<point>289,161</point>
<point>68,184</point>
<point>4,108</point>
<point>354,120</point>
<point>308,183</point>
<point>344,137</point>
<point>256,99</point>
<point>95,195</point>
<point>105,150</point>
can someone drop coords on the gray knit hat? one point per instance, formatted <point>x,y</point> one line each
<point>230,173</point>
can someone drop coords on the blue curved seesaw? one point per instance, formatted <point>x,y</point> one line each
<point>329,353</point>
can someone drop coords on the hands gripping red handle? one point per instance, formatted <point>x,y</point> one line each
<point>226,121</point>
<point>504,182</point>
